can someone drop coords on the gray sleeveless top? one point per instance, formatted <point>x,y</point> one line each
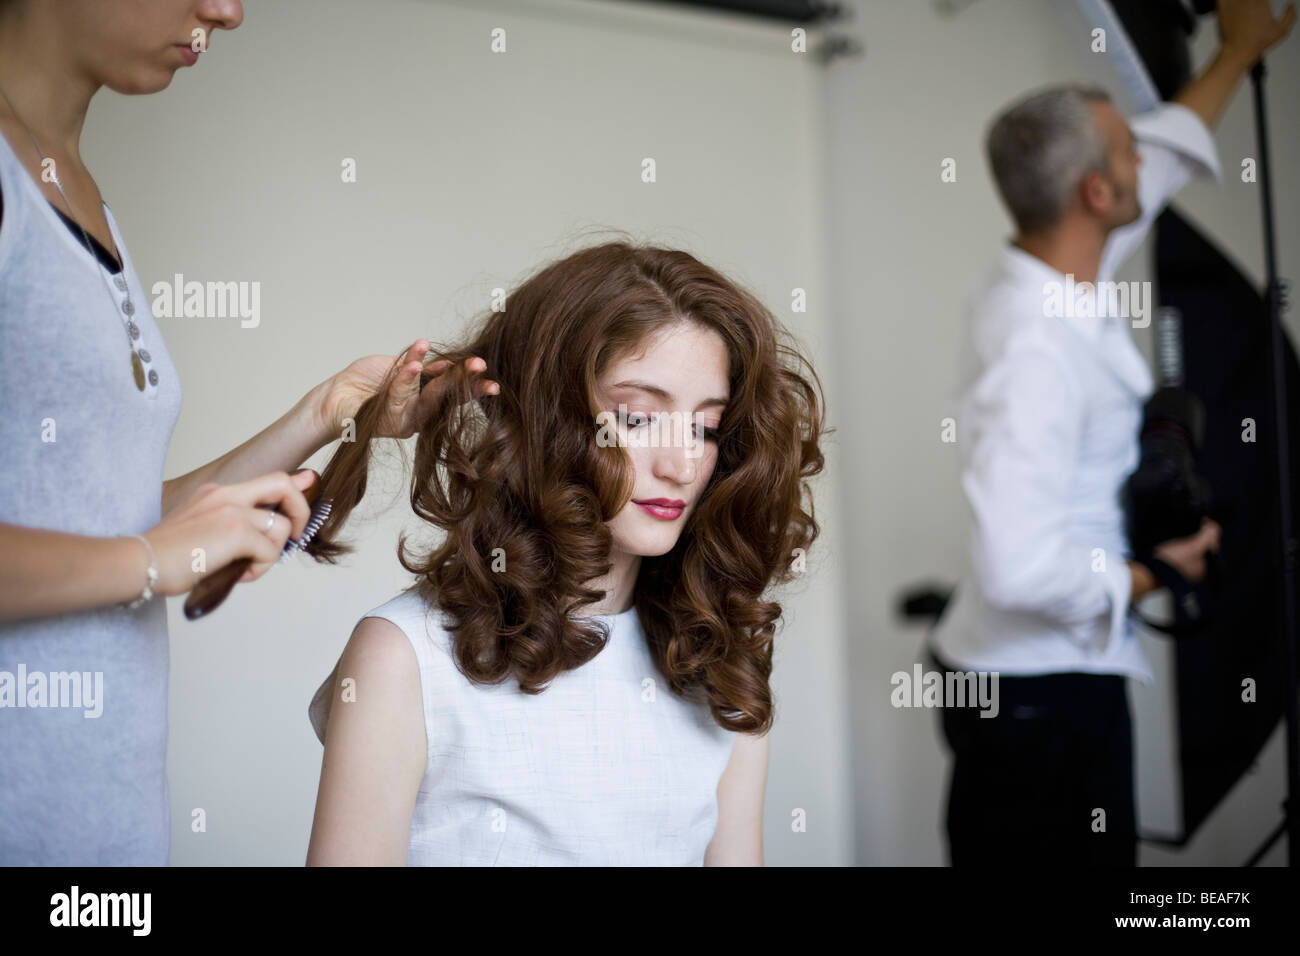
<point>83,697</point>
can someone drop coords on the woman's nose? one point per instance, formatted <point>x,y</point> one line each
<point>676,463</point>
<point>222,14</point>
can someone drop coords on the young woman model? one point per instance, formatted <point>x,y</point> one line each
<point>579,674</point>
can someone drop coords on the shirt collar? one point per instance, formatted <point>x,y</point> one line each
<point>1060,296</point>
<point>1039,280</point>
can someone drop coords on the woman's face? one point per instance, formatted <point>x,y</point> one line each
<point>674,395</point>
<point>135,46</point>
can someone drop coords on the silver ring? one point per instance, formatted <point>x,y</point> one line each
<point>270,522</point>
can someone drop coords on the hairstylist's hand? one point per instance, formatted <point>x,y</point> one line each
<point>409,405</point>
<point>229,522</point>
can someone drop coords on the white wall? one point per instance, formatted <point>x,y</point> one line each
<point>473,168</point>
<point>906,250</point>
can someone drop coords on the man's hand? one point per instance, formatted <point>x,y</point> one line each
<point>1187,555</point>
<point>1184,555</point>
<point>1248,29</point>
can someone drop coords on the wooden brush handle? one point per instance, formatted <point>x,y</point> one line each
<point>208,594</point>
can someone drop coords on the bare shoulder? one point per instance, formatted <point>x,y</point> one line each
<point>381,647</point>
<point>375,751</point>
<point>378,682</point>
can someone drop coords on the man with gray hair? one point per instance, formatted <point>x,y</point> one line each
<point>1050,411</point>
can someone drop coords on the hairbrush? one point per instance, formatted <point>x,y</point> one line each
<point>207,595</point>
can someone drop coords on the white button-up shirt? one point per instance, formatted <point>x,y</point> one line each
<point>1047,427</point>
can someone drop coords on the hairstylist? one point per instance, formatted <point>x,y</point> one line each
<point>91,538</point>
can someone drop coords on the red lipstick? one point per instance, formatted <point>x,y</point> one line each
<point>666,509</point>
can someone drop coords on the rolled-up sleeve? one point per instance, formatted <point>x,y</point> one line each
<point>1174,145</point>
<point>1027,418</point>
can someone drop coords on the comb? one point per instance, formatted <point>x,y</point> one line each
<point>207,595</point>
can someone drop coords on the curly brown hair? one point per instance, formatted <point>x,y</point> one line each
<point>518,474</point>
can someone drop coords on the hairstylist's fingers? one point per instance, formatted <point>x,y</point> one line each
<point>474,366</point>
<point>263,547</point>
<point>273,525</point>
<point>277,489</point>
<point>407,384</point>
<point>486,386</point>
<point>276,536</point>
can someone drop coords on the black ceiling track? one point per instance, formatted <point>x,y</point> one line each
<point>790,11</point>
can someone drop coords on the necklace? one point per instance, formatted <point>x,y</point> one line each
<point>138,358</point>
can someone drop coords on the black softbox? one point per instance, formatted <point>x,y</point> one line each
<point>1225,327</point>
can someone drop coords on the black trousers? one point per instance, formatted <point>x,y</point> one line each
<point>1027,785</point>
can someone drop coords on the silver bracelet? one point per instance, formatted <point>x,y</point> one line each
<point>151,575</point>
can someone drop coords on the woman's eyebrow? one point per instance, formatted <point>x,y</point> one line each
<point>665,395</point>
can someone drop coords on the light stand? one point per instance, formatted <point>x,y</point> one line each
<point>1286,530</point>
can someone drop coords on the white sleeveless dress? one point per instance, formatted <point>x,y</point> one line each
<point>605,767</point>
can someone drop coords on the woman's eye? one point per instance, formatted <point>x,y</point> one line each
<point>637,419</point>
<point>633,419</point>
